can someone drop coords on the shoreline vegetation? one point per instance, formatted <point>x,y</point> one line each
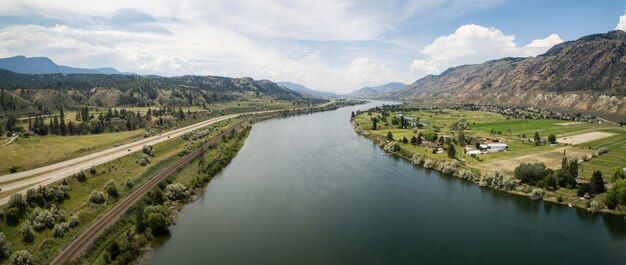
<point>431,137</point>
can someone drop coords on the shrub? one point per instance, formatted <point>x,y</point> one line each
<point>22,257</point>
<point>616,195</point>
<point>176,191</point>
<point>429,163</point>
<point>536,194</point>
<point>93,170</point>
<point>59,230</point>
<point>17,201</point>
<point>143,162</point>
<point>469,175</point>
<point>449,167</point>
<point>4,246</point>
<point>584,157</point>
<point>531,172</point>
<point>559,198</point>
<point>128,183</point>
<point>111,189</point>
<point>597,183</point>
<point>13,169</point>
<point>451,151</point>
<point>417,159</point>
<point>157,218</point>
<point>28,234</point>
<point>97,197</point>
<point>13,215</point>
<point>594,207</point>
<point>42,218</point>
<point>497,180</point>
<point>81,176</point>
<point>74,222</point>
<point>602,150</point>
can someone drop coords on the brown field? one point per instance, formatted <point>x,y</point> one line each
<point>569,123</point>
<point>552,159</point>
<point>585,137</point>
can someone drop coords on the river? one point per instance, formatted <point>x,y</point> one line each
<point>308,190</point>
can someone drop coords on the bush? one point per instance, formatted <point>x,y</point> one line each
<point>449,167</point>
<point>17,201</point>
<point>594,207</point>
<point>602,150</point>
<point>4,246</point>
<point>417,159</point>
<point>143,162</point>
<point>536,194</point>
<point>81,176</point>
<point>158,219</point>
<point>128,183</point>
<point>13,215</point>
<point>597,183</point>
<point>531,172</point>
<point>429,163</point>
<point>559,198</point>
<point>111,189</point>
<point>59,230</point>
<point>469,175</point>
<point>28,234</point>
<point>497,180</point>
<point>42,218</point>
<point>584,157</point>
<point>176,191</point>
<point>13,169</point>
<point>97,197</point>
<point>616,195</point>
<point>74,222</point>
<point>22,257</point>
<point>93,170</point>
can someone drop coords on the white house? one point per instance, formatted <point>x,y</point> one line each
<point>474,152</point>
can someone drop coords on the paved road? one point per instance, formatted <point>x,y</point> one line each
<point>22,181</point>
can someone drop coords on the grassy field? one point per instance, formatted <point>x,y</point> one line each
<point>512,132</point>
<point>37,151</point>
<point>123,169</point>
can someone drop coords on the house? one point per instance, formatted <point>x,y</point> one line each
<point>494,147</point>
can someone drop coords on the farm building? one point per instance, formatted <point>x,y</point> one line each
<point>494,147</point>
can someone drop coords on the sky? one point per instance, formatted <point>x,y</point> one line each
<point>327,45</point>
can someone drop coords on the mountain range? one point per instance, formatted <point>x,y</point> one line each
<point>302,89</point>
<point>377,91</point>
<point>43,65</point>
<point>586,75</point>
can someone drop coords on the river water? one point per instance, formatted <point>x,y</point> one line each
<point>308,190</point>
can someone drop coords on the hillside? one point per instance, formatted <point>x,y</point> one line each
<point>377,91</point>
<point>587,75</point>
<point>302,89</point>
<point>43,65</point>
<point>29,93</point>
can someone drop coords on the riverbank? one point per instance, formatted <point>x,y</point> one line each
<point>470,168</point>
<point>193,180</point>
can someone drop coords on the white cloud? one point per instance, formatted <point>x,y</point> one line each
<point>621,25</point>
<point>471,44</point>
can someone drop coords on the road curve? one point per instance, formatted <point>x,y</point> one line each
<point>85,240</point>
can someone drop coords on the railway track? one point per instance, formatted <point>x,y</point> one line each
<point>86,239</point>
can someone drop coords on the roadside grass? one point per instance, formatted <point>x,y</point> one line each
<point>37,151</point>
<point>45,246</point>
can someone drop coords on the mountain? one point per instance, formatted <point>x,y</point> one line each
<point>377,91</point>
<point>43,65</point>
<point>27,93</point>
<point>302,89</point>
<point>586,75</point>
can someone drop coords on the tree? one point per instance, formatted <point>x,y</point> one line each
<point>617,174</point>
<point>4,246</point>
<point>111,188</point>
<point>451,151</point>
<point>389,136</point>
<point>17,201</point>
<point>531,172</point>
<point>140,225</point>
<point>352,115</point>
<point>28,234</point>
<point>176,191</point>
<point>597,183</point>
<point>404,140</point>
<point>374,121</point>
<point>461,138</point>
<point>157,218</point>
<point>22,257</point>
<point>537,138</point>
<point>413,140</point>
<point>552,139</point>
<point>97,197</point>
<point>113,251</point>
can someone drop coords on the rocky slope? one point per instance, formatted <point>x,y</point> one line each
<point>377,91</point>
<point>587,75</point>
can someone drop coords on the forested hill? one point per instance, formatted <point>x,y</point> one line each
<point>52,90</point>
<point>588,74</point>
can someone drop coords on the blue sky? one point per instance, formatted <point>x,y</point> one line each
<point>328,45</point>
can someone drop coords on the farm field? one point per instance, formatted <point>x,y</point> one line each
<point>36,151</point>
<point>516,133</point>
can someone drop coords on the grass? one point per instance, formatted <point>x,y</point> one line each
<point>45,247</point>
<point>37,151</point>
